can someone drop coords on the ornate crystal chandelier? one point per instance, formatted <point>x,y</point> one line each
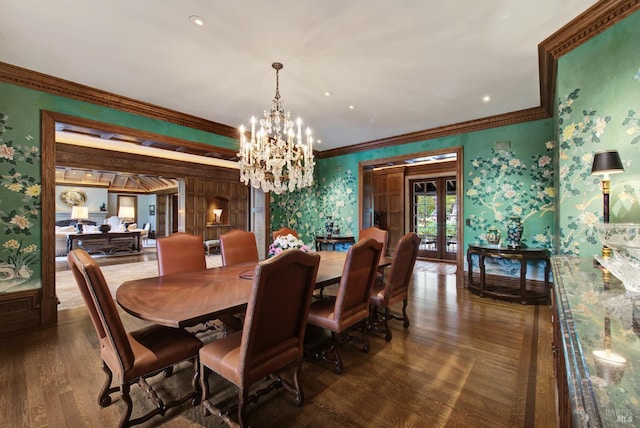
<point>276,158</point>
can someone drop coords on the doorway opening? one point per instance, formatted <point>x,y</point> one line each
<point>429,202</point>
<point>434,217</point>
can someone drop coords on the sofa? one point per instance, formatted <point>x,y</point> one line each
<point>65,227</point>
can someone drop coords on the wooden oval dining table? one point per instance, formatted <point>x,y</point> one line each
<point>189,298</point>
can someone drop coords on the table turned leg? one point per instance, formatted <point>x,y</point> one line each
<point>523,281</point>
<point>482,274</point>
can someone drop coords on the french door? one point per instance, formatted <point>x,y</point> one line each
<point>434,216</point>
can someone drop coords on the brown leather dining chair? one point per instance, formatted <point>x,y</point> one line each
<point>134,356</point>
<point>350,307</point>
<point>238,246</point>
<point>284,231</point>
<point>396,288</point>
<point>273,334</point>
<point>180,252</point>
<point>377,234</point>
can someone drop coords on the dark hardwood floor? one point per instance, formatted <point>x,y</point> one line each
<point>464,362</point>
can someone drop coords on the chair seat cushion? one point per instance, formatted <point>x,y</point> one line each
<point>154,348</point>
<point>380,298</point>
<point>222,356</point>
<point>321,314</point>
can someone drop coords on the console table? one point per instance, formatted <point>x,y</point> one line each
<point>596,345</point>
<point>105,243</point>
<point>504,292</point>
<point>332,241</point>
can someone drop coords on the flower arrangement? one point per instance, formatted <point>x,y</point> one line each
<point>282,243</point>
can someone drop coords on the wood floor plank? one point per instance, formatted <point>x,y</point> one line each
<point>464,361</point>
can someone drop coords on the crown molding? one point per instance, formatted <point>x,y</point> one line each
<point>496,121</point>
<point>587,25</point>
<point>43,82</point>
<point>581,29</point>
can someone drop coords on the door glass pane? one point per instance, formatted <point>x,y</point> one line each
<point>451,208</point>
<point>425,213</point>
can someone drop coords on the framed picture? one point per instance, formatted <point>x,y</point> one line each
<point>73,198</point>
<point>152,210</point>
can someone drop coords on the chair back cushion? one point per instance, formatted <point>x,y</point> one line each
<point>276,316</point>
<point>358,276</point>
<point>284,231</point>
<point>401,269</point>
<point>238,246</point>
<point>180,252</point>
<point>114,343</point>
<point>377,234</point>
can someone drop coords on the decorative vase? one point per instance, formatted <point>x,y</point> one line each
<point>328,227</point>
<point>514,232</point>
<point>104,228</point>
<point>493,236</point>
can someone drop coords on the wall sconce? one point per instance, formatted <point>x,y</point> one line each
<point>79,213</point>
<point>605,163</point>
<point>217,215</point>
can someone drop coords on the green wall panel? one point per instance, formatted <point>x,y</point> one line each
<point>598,108</point>
<point>335,193</point>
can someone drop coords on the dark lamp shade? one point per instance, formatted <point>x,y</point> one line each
<point>607,162</point>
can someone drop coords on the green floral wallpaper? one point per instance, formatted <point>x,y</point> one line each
<point>307,210</point>
<point>598,96</point>
<point>496,185</point>
<point>502,185</point>
<point>20,200</point>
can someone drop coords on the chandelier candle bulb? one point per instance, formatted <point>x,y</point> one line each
<point>253,128</point>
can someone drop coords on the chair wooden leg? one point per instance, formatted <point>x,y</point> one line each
<point>335,360</point>
<point>388,335</point>
<point>195,383</point>
<point>104,399</point>
<point>336,355</point>
<point>365,339</point>
<point>298,390</point>
<point>204,387</point>
<point>126,397</point>
<point>242,398</point>
<point>404,313</point>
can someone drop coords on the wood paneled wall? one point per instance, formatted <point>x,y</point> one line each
<point>200,190</point>
<point>388,198</point>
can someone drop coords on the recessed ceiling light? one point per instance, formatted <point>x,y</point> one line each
<point>195,19</point>
<point>352,107</point>
<point>486,98</point>
<point>327,94</point>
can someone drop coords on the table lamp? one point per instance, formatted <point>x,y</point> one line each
<point>126,214</point>
<point>79,213</point>
<point>605,163</point>
<point>217,215</point>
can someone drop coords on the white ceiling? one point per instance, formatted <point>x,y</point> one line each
<point>406,65</point>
